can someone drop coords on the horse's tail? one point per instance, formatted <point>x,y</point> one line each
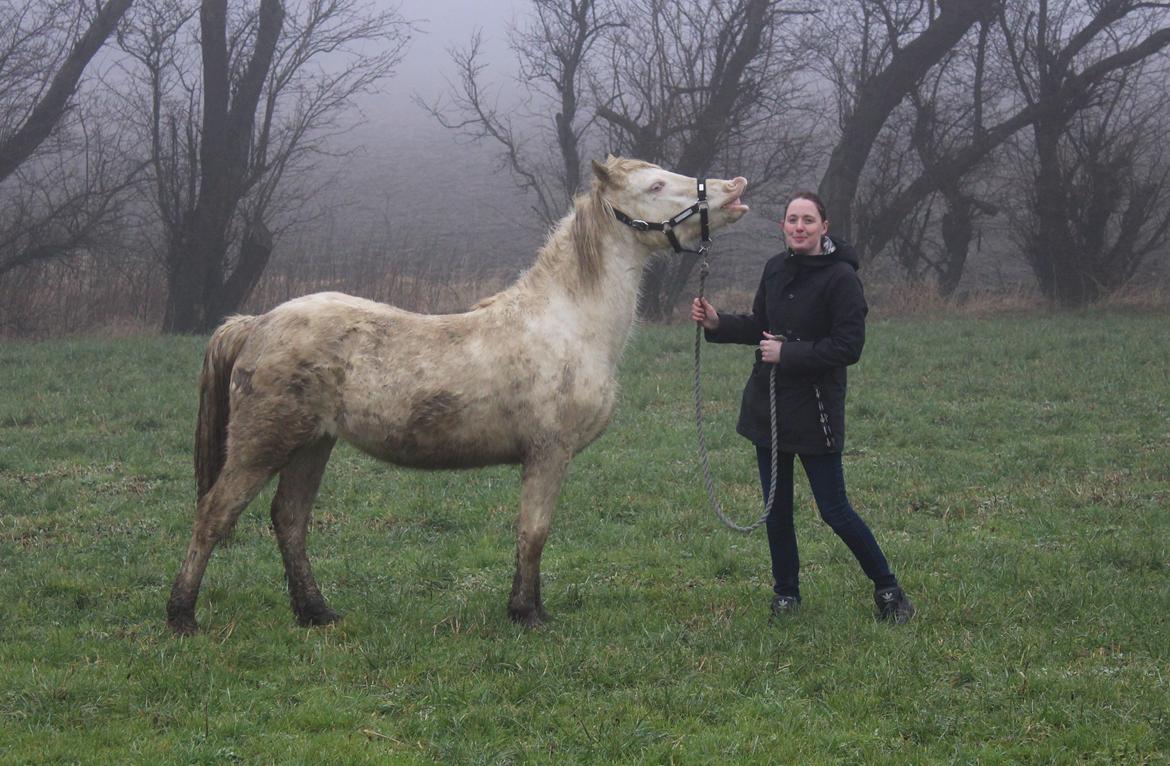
<point>214,399</point>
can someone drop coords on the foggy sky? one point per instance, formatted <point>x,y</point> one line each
<point>409,168</point>
<point>469,201</point>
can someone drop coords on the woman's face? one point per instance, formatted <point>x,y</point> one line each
<point>804,227</point>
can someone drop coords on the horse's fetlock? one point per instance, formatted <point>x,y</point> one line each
<point>309,606</point>
<point>181,617</point>
<point>317,614</point>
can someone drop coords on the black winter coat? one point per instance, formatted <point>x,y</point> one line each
<point>817,303</point>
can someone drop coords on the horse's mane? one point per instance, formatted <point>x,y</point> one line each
<point>572,254</point>
<point>592,217</point>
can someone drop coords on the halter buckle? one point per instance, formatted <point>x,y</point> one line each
<point>639,225</point>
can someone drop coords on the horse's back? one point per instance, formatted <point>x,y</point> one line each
<point>398,385</point>
<point>429,391</point>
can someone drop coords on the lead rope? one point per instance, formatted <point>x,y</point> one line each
<point>704,459</point>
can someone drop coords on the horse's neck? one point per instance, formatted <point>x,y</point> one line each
<point>604,308</point>
<point>616,298</point>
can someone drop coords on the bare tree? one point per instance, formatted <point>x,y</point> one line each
<point>692,85</point>
<point>1114,172</point>
<point>24,72</point>
<point>1068,57</point>
<point>959,121</point>
<point>70,198</point>
<point>553,48</point>
<point>229,144</point>
<point>900,42</point>
<point>671,83</point>
<point>932,232</point>
<point>62,187</point>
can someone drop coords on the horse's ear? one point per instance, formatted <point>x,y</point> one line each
<point>602,173</point>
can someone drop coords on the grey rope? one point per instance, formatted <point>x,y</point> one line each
<point>704,459</point>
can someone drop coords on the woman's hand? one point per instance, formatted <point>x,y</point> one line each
<point>770,348</point>
<point>704,313</point>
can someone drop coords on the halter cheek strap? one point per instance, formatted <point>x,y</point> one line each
<point>667,226</point>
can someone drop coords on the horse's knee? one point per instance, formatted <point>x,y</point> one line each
<point>283,519</point>
<point>215,528</point>
<point>531,538</point>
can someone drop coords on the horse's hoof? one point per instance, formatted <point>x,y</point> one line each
<point>529,618</point>
<point>183,626</point>
<point>321,616</point>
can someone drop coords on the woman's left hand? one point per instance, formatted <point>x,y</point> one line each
<point>770,348</point>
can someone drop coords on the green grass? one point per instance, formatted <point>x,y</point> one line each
<point>1016,471</point>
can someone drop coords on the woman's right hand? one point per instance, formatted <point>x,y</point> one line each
<point>704,313</point>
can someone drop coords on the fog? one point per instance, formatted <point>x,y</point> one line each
<point>434,186</point>
<point>941,166</point>
<point>428,183</point>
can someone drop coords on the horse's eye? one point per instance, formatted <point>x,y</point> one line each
<point>658,186</point>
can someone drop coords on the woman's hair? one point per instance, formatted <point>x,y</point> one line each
<point>811,197</point>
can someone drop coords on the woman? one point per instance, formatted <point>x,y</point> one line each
<point>808,319</point>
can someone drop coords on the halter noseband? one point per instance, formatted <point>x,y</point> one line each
<point>667,226</point>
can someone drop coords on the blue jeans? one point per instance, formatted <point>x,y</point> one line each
<point>826,478</point>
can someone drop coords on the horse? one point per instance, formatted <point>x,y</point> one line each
<point>527,376</point>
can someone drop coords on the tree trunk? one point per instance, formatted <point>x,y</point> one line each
<point>204,295</point>
<point>958,229</point>
<point>650,304</point>
<point>185,285</point>
<point>1056,260</point>
<point>255,252</point>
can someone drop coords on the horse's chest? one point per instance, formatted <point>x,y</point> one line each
<point>587,411</point>
<point>571,398</point>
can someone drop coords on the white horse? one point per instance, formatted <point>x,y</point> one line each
<point>527,376</point>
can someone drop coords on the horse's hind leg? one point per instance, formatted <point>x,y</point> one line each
<point>540,485</point>
<point>215,515</point>
<point>291,509</point>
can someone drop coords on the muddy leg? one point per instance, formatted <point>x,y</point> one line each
<point>541,483</point>
<point>215,516</point>
<point>292,508</point>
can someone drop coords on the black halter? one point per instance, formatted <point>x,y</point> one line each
<point>667,227</point>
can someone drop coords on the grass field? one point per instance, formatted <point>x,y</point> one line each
<point>1016,470</point>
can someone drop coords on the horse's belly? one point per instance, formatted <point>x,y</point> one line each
<point>467,444</point>
<point>466,426</point>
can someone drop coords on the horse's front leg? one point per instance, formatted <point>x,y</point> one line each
<point>540,485</point>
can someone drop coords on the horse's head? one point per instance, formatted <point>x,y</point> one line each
<point>645,192</point>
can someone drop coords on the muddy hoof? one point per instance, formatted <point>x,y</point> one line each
<point>183,625</point>
<point>529,618</point>
<point>320,616</point>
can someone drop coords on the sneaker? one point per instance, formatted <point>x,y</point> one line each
<point>783,605</point>
<point>893,605</point>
